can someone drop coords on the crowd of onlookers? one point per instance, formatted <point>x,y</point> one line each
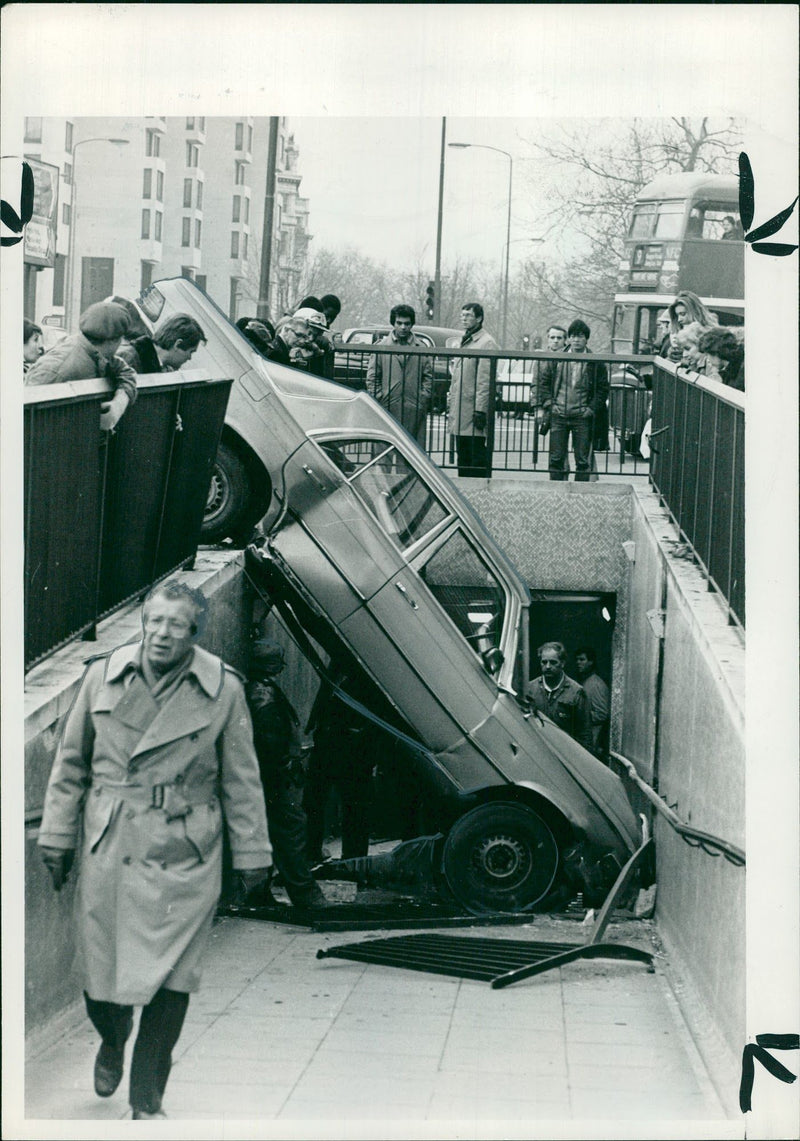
<point>693,337</point>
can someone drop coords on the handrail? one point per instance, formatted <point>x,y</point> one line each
<point>693,836</point>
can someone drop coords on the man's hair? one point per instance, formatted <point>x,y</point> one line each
<point>402,311</point>
<point>721,342</point>
<point>587,652</point>
<point>579,328</point>
<point>556,647</point>
<point>182,328</point>
<point>177,591</point>
<point>560,329</point>
<point>29,330</point>
<point>310,303</point>
<point>476,308</point>
<point>331,301</point>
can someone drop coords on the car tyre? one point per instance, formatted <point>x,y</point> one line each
<point>499,858</point>
<point>230,494</point>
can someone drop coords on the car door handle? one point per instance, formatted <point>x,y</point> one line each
<point>313,476</point>
<point>405,595</point>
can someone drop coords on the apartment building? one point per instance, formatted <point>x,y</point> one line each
<point>152,197</point>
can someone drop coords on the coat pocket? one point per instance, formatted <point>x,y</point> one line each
<point>97,817</point>
<point>203,829</point>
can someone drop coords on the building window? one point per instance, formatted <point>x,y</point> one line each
<point>247,210</point>
<point>145,223</point>
<point>239,168</point>
<point>198,232</point>
<point>66,211</point>
<point>59,278</point>
<point>200,279</point>
<point>199,196</point>
<point>250,138</point>
<point>186,232</point>
<point>201,122</point>
<point>146,278</point>
<point>68,138</point>
<point>192,154</point>
<point>68,173</point>
<point>234,299</point>
<point>159,218</point>
<point>33,130</point>
<point>160,185</point>
<point>147,183</point>
<point>189,124</point>
<point>239,140</point>
<point>237,207</point>
<point>152,143</point>
<point>187,192</point>
<point>187,271</point>
<point>235,244</point>
<point>244,246</point>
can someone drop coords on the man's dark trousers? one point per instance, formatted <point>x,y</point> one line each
<point>472,456</point>
<point>159,1029</point>
<point>581,429</point>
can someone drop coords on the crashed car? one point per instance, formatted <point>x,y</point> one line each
<point>383,573</point>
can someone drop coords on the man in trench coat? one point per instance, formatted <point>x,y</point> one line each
<point>157,751</point>
<point>468,398</point>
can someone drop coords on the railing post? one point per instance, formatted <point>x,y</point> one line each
<point>490,414</point>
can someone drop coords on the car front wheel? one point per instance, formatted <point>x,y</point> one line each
<point>229,497</point>
<point>499,858</point>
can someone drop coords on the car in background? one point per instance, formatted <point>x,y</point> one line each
<point>392,587</point>
<point>516,381</point>
<point>351,368</point>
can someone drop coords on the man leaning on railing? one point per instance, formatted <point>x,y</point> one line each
<point>92,353</point>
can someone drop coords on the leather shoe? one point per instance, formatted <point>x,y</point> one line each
<point>107,1070</point>
<point>140,1115</point>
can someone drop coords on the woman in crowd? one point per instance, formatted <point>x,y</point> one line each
<point>725,353</point>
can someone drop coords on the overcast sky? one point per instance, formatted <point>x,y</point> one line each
<point>373,183</point>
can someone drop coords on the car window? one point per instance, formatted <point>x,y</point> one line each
<point>467,590</point>
<point>361,339</point>
<point>400,500</point>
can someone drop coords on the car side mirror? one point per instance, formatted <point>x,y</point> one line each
<point>493,659</point>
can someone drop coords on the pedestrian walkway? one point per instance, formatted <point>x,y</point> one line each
<point>276,1035</point>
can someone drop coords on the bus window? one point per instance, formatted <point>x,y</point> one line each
<point>622,334</point>
<point>642,221</point>
<point>669,221</point>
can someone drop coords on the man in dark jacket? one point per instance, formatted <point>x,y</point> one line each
<point>173,346</point>
<point>295,334</point>
<point>559,697</point>
<point>278,743</point>
<point>574,394</point>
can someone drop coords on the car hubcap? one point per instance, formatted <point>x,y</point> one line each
<point>502,859</point>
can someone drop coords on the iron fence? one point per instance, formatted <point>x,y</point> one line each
<point>697,468</point>
<point>514,410</point>
<point>108,514</point>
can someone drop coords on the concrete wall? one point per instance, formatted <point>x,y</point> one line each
<point>49,690</point>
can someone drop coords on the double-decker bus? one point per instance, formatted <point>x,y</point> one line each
<point>676,241</point>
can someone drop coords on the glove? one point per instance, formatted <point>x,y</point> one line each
<point>249,883</point>
<point>544,424</point>
<point>58,862</point>
<point>479,421</point>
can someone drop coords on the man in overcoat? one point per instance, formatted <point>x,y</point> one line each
<point>402,382</point>
<point>468,398</point>
<point>156,756</point>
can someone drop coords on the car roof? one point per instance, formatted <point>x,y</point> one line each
<point>438,333</point>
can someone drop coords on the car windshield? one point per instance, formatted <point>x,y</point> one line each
<point>402,503</point>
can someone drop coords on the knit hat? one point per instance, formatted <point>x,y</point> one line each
<point>267,656</point>
<point>312,317</point>
<point>104,321</point>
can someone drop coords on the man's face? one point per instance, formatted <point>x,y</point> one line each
<point>300,335</point>
<point>556,339</point>
<point>402,328</point>
<point>33,348</point>
<point>577,343</point>
<point>178,355</point>
<point>583,665</point>
<point>468,318</point>
<point>169,631</point>
<point>551,666</point>
<point>330,314</point>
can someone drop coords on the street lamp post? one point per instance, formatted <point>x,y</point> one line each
<point>486,147</point>
<point>73,220</point>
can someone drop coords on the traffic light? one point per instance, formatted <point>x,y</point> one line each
<point>430,299</point>
<point>526,342</point>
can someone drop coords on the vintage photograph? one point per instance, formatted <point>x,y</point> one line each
<point>389,577</point>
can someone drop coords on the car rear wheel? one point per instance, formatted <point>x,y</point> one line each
<point>229,497</point>
<point>499,857</point>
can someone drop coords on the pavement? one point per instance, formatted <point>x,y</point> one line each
<point>305,1047</point>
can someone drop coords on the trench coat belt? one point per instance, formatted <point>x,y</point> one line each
<point>152,794</point>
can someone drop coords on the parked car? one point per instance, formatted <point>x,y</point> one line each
<point>515,383</point>
<point>351,368</point>
<point>380,567</point>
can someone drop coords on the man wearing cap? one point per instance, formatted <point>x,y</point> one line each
<point>293,334</point>
<point>318,353</point>
<point>279,748</point>
<point>92,353</point>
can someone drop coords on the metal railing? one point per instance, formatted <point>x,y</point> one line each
<point>108,514</point>
<point>513,441</point>
<point>697,468</point>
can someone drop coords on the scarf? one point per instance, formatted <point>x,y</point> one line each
<point>471,334</point>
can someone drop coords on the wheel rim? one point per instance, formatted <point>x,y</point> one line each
<point>219,494</point>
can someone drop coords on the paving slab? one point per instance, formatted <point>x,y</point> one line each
<point>276,1035</point>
